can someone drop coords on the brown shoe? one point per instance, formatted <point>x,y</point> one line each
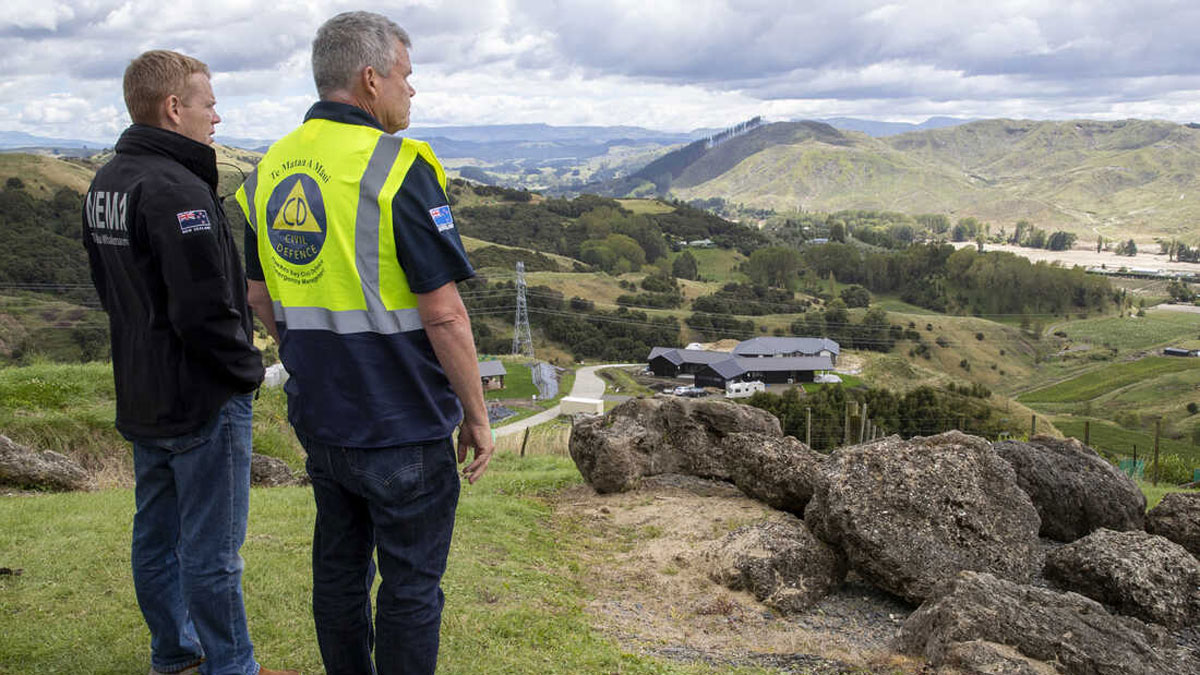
<point>268,671</point>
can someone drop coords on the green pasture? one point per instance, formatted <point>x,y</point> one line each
<point>717,264</point>
<point>1158,328</point>
<point>1109,378</point>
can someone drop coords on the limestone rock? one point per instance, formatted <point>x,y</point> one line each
<point>1074,489</point>
<point>1138,574</point>
<point>979,657</point>
<point>781,563</point>
<point>1072,632</point>
<point>1177,517</point>
<point>911,514</point>
<point>271,472</point>
<point>779,471</point>
<point>24,467</point>
<point>645,437</point>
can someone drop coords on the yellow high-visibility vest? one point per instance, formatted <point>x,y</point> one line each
<point>320,204</point>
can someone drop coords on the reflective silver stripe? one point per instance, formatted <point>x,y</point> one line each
<point>249,185</point>
<point>366,224</point>
<point>348,321</point>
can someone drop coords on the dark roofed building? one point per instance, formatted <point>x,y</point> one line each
<point>672,362</point>
<point>778,370</point>
<point>776,347</point>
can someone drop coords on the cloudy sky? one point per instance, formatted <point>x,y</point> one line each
<point>665,64</point>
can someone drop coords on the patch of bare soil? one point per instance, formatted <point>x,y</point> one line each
<point>648,575</point>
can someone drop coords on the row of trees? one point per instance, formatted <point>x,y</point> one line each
<point>938,277</point>
<point>576,323</point>
<point>600,232</point>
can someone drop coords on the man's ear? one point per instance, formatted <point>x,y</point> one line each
<point>369,78</point>
<point>169,111</point>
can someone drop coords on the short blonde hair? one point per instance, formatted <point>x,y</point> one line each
<point>152,77</point>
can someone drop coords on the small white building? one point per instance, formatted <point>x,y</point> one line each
<point>734,389</point>
<point>571,405</point>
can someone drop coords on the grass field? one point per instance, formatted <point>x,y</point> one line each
<point>717,264</point>
<point>515,601</point>
<point>1109,378</point>
<point>1177,458</point>
<point>1158,328</point>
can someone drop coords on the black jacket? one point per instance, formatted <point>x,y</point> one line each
<point>168,274</point>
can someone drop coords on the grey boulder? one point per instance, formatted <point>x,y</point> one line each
<point>1177,517</point>
<point>271,472</point>
<point>646,437</point>
<point>781,563</point>
<point>980,657</point>
<point>1137,573</point>
<point>911,514</point>
<point>24,467</point>
<point>1073,633</point>
<point>1074,489</point>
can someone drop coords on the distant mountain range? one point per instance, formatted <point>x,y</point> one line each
<point>11,141</point>
<point>1107,178</point>
<point>506,142</point>
<point>1094,178</point>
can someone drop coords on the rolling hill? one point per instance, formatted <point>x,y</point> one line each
<point>1126,178</point>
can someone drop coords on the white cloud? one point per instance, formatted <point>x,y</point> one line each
<point>674,64</point>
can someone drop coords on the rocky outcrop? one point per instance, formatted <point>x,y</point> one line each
<point>23,467</point>
<point>979,657</point>
<point>778,471</point>
<point>708,439</point>
<point>1138,574</point>
<point>781,563</point>
<point>911,514</point>
<point>1072,632</point>
<point>1074,489</point>
<point>271,472</point>
<point>1177,517</point>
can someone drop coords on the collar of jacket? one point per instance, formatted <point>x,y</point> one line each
<point>199,158</point>
<point>345,113</point>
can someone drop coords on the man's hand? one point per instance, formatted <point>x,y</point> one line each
<point>478,436</point>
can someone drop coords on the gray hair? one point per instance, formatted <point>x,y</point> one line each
<point>351,41</point>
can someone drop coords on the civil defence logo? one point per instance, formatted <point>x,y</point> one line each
<point>296,222</point>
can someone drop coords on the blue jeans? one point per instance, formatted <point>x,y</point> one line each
<point>399,502</point>
<point>193,496</point>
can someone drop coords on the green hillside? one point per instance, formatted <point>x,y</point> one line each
<point>1127,178</point>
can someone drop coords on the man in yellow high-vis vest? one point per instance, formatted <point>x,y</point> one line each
<point>352,257</point>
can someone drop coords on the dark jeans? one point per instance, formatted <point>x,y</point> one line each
<point>193,495</point>
<point>399,502</point>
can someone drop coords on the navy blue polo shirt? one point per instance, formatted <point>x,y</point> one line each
<point>370,389</point>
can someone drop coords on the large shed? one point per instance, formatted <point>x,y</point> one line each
<point>673,362</point>
<point>777,347</point>
<point>778,370</point>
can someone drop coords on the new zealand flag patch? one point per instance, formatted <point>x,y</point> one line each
<point>442,218</point>
<point>193,221</point>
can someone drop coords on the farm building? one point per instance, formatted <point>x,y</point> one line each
<point>670,362</point>
<point>777,370</point>
<point>492,373</point>
<point>775,347</point>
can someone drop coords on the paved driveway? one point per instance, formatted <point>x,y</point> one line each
<point>588,384</point>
